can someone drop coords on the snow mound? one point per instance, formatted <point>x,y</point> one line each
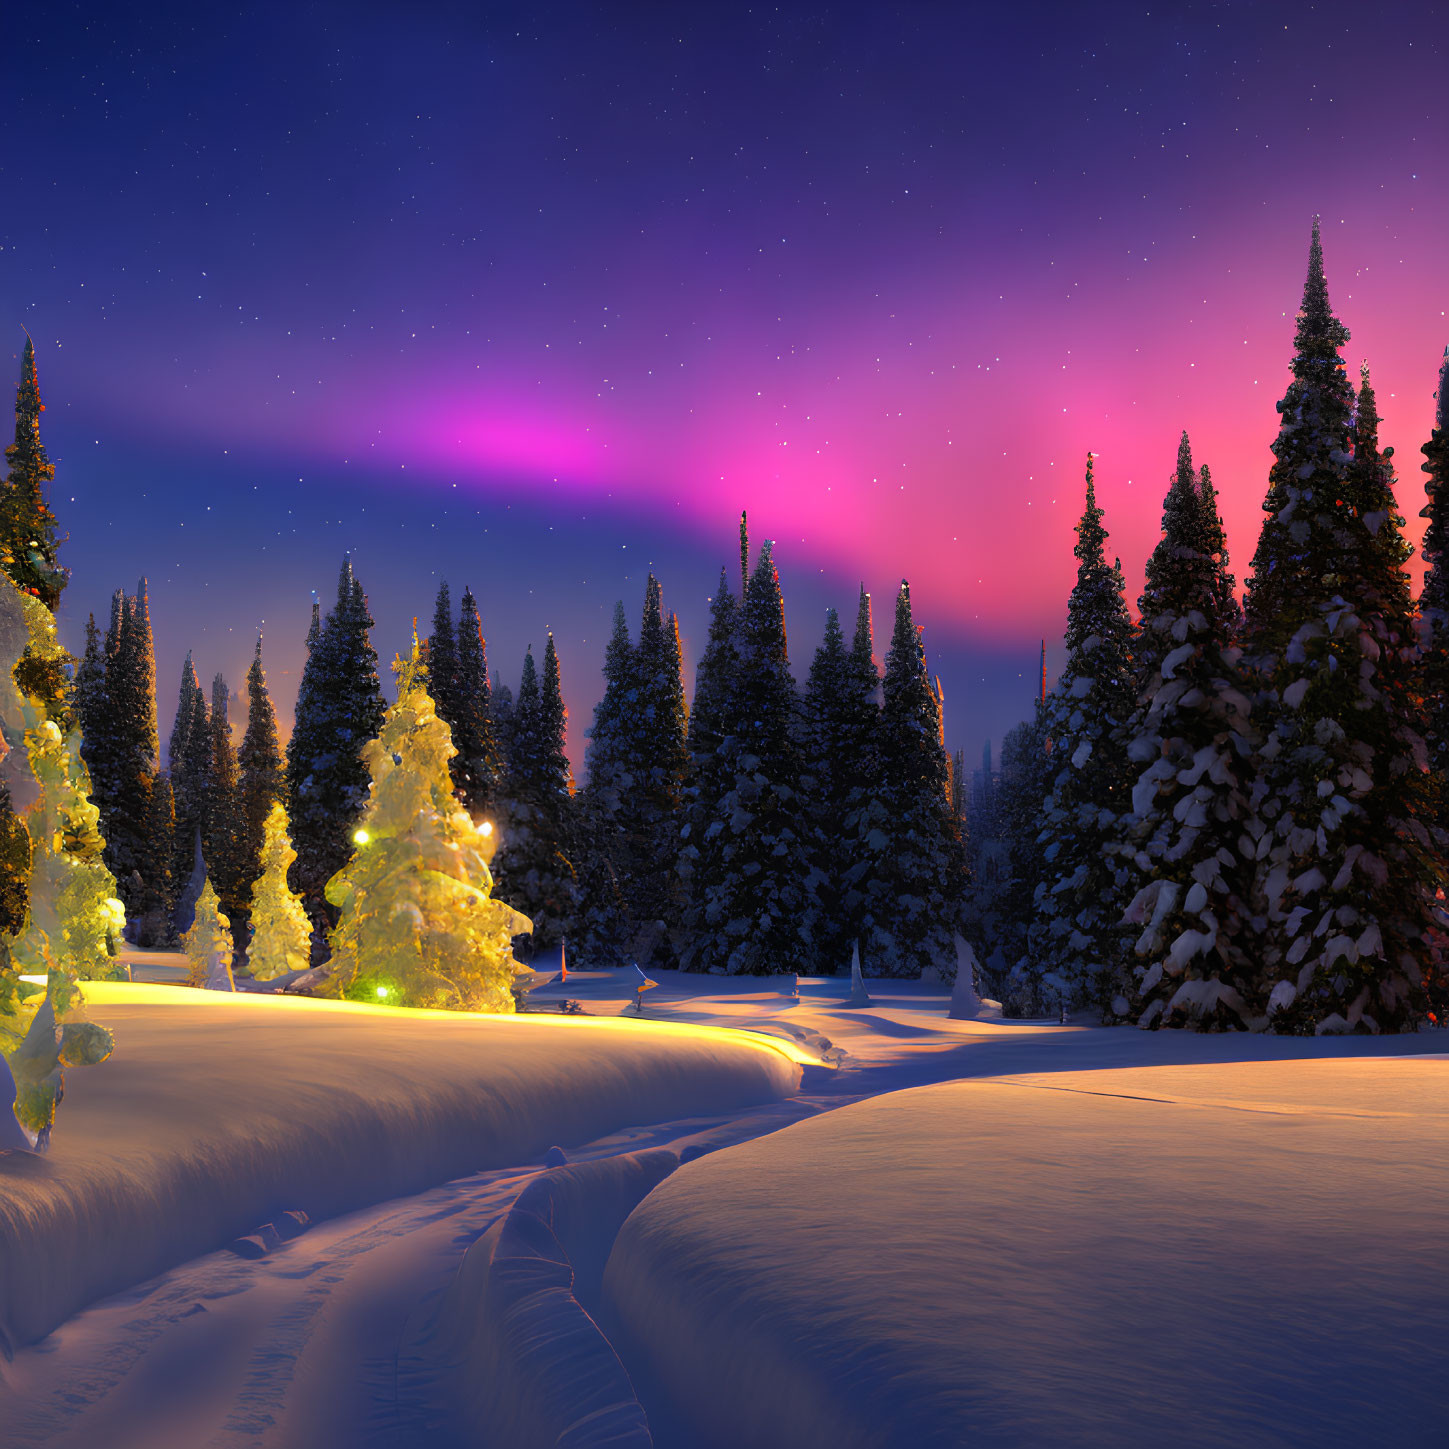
<point>1231,1254</point>
<point>219,1110</point>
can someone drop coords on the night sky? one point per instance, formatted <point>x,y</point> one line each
<point>537,298</point>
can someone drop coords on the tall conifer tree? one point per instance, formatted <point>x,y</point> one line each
<point>224,841</point>
<point>477,765</point>
<point>841,749</point>
<point>1076,942</point>
<point>1348,867</point>
<point>755,907</point>
<point>914,902</point>
<point>138,853</point>
<point>189,759</point>
<point>339,709</point>
<point>1434,600</point>
<point>28,541</point>
<point>710,720</point>
<point>262,781</point>
<point>534,870</point>
<point>1189,840</point>
<point>443,661</point>
<point>657,752</point>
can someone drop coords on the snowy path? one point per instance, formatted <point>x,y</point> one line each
<point>324,1343</point>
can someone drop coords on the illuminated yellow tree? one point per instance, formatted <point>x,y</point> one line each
<point>208,943</point>
<point>418,924</point>
<point>74,919</point>
<point>281,933</point>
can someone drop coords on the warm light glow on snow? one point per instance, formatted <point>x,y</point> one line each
<point>99,993</point>
<point>360,837</point>
<point>485,827</point>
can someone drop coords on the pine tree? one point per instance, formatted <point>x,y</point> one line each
<point>208,944</point>
<point>442,662</point>
<point>223,838</point>
<point>189,757</point>
<point>534,872</point>
<point>840,771</point>
<point>418,925</point>
<point>477,765</point>
<point>263,781</point>
<point>1076,942</point>
<point>1189,840</point>
<point>74,918</point>
<point>136,854</point>
<point>913,908</point>
<point>656,732</point>
<point>757,907</point>
<point>339,710</point>
<point>1003,923</point>
<point>700,850</point>
<point>28,542</point>
<point>281,939</point>
<point>1434,601</point>
<point>1348,867</point>
<point>601,931</point>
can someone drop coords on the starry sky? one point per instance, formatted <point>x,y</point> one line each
<point>535,298</point>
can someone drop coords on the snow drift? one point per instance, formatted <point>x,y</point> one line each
<point>219,1111</point>
<point>1245,1254</point>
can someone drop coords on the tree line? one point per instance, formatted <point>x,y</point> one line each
<point>770,829</point>
<point>1234,817</point>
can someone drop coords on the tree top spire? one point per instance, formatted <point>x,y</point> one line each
<point>1319,332</point>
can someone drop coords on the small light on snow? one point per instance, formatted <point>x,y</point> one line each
<point>486,827</point>
<point>361,837</point>
<point>382,991</point>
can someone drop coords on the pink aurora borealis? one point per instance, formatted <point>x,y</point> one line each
<point>884,302</point>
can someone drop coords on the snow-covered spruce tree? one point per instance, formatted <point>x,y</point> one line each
<point>503,710</point>
<point>477,766</point>
<point>28,542</point>
<point>1002,922</point>
<point>339,709</point>
<point>1189,840</point>
<point>655,735</point>
<point>611,776</point>
<point>281,939</point>
<point>841,747</point>
<point>1349,867</point>
<point>914,902</point>
<point>418,924</point>
<point>138,855</point>
<point>700,844</point>
<point>1433,671</point>
<point>757,910</point>
<point>600,930</point>
<point>189,760</point>
<point>1076,942</point>
<point>262,779</point>
<point>442,660</point>
<point>74,918</point>
<point>823,783</point>
<point>208,944</point>
<point>535,873</point>
<point>222,838</point>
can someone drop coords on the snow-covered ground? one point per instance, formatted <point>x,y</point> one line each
<point>220,1111</point>
<point>1250,1254</point>
<point>1069,1196</point>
